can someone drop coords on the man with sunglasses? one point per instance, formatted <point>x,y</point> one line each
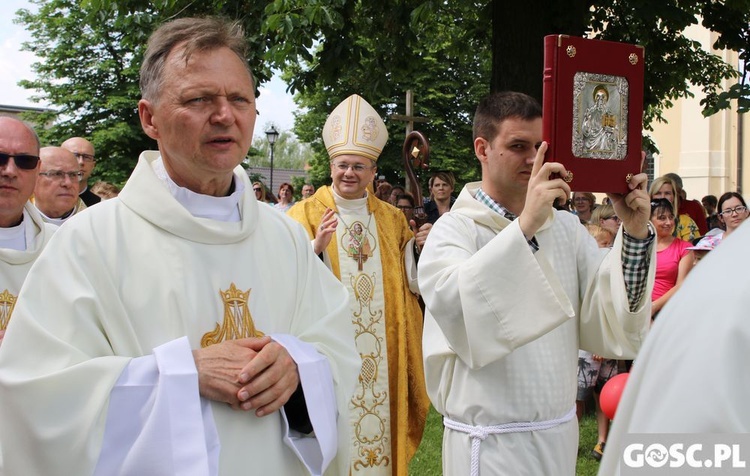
<point>56,191</point>
<point>23,233</point>
<point>83,151</point>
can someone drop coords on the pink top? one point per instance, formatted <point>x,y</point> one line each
<point>667,266</point>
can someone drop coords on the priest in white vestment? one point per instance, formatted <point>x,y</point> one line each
<point>369,246</point>
<point>182,328</point>
<point>691,377</point>
<point>56,192</point>
<point>23,233</point>
<point>513,288</point>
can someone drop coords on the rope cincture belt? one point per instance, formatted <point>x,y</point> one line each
<point>479,433</point>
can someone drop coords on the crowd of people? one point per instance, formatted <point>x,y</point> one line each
<point>194,327</point>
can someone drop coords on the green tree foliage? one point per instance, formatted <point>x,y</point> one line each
<point>379,50</point>
<point>452,53</point>
<point>90,53</point>
<point>449,53</point>
<point>673,61</point>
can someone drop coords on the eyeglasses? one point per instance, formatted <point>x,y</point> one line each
<point>731,211</point>
<point>256,189</point>
<point>84,157</point>
<point>59,175</point>
<point>358,168</point>
<point>613,217</point>
<point>22,161</point>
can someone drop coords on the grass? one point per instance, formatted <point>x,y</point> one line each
<point>428,460</point>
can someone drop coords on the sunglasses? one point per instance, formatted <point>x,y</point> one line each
<point>23,161</point>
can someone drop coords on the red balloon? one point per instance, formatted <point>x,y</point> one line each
<point>611,393</point>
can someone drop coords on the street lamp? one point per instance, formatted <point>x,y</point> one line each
<point>272,134</point>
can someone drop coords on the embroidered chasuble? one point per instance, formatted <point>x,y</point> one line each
<point>145,283</point>
<point>367,252</point>
<point>15,264</point>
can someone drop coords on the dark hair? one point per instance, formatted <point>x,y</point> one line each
<point>727,196</point>
<point>497,107</point>
<point>661,204</point>
<point>193,35</point>
<point>406,196</point>
<point>711,200</point>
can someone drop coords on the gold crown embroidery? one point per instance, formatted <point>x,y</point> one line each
<point>238,323</point>
<point>7,303</point>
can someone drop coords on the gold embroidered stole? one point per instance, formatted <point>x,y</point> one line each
<point>361,273</point>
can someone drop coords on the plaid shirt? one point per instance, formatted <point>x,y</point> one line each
<point>635,256</point>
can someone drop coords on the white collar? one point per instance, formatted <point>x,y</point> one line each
<point>225,209</point>
<point>14,237</point>
<point>349,205</point>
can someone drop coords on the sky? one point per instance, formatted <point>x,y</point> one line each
<point>275,104</point>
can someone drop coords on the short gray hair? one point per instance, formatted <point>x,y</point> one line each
<point>193,35</point>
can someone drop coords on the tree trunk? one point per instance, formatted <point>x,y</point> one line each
<point>518,30</point>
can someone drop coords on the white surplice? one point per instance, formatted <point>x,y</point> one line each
<point>98,360</point>
<point>502,329</point>
<point>16,261</point>
<point>692,374</point>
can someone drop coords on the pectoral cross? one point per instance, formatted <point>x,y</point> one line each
<point>360,258</point>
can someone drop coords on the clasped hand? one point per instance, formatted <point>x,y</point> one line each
<point>252,373</point>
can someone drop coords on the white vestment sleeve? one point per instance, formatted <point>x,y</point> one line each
<point>156,421</point>
<point>480,298</point>
<point>315,451</point>
<point>410,262</point>
<point>326,259</point>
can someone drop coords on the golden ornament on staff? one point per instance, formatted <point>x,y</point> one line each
<point>416,154</point>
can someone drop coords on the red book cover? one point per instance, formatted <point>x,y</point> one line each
<point>593,111</point>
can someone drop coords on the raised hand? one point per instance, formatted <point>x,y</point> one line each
<point>634,208</point>
<point>545,186</point>
<point>325,231</point>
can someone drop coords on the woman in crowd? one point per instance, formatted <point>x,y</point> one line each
<point>732,211</point>
<point>673,258</point>
<point>685,227</point>
<point>285,196</point>
<point>604,216</point>
<point>260,192</point>
<point>441,200</point>
<point>583,205</point>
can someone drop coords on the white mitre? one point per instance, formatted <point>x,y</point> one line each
<point>354,128</point>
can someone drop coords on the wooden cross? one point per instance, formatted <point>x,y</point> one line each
<point>409,118</point>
